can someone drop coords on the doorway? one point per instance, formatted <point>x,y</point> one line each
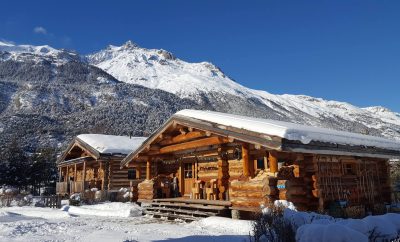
<point>188,177</point>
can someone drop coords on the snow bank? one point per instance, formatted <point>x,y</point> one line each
<point>230,226</point>
<point>114,209</point>
<point>290,131</point>
<point>34,212</point>
<point>323,228</point>
<point>111,144</point>
<point>328,233</point>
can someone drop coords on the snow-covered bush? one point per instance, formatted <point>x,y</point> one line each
<point>124,195</point>
<point>8,196</point>
<point>293,225</point>
<point>75,199</point>
<point>271,226</point>
<point>100,196</point>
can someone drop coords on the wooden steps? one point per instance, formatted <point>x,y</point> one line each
<point>186,209</point>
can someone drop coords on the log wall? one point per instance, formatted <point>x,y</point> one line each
<point>252,193</point>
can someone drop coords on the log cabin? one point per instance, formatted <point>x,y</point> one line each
<point>244,163</point>
<point>93,161</point>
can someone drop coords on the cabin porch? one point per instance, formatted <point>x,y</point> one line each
<point>77,175</point>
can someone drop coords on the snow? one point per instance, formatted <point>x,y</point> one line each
<point>290,131</point>
<point>323,228</point>
<point>159,69</point>
<point>22,52</point>
<point>328,233</point>
<point>46,224</point>
<point>111,144</point>
<point>106,210</point>
<point>225,224</point>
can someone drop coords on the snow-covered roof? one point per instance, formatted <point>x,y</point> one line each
<point>290,131</point>
<point>112,144</point>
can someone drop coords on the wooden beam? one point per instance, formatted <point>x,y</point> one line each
<point>148,169</point>
<point>245,160</point>
<point>84,171</point>
<point>183,137</point>
<point>138,171</point>
<point>265,163</point>
<point>75,172</point>
<point>194,144</point>
<point>102,178</point>
<point>273,162</point>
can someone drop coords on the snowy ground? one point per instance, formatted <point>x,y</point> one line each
<point>111,222</point>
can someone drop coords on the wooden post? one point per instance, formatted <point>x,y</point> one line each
<point>148,169</point>
<point>66,174</point>
<point>265,163</point>
<point>138,171</point>
<point>75,173</point>
<point>195,171</point>
<point>181,178</point>
<point>102,178</point>
<point>245,160</point>
<point>59,174</point>
<point>84,175</point>
<point>273,162</point>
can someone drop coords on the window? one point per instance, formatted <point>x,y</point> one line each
<point>260,164</point>
<point>131,174</point>
<point>349,169</point>
<point>188,171</point>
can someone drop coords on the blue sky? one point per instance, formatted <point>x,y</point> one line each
<point>341,50</point>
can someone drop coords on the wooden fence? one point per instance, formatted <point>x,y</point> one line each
<point>52,201</point>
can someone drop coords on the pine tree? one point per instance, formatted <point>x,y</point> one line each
<point>43,171</point>
<point>16,163</point>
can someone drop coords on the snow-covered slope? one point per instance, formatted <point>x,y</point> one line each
<point>162,70</point>
<point>9,51</point>
<point>47,96</point>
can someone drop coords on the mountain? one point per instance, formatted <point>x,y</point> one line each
<point>207,84</point>
<point>48,95</point>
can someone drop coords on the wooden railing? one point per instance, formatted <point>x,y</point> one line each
<point>77,187</point>
<point>62,188</point>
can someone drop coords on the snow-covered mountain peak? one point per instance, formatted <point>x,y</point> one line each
<point>36,53</point>
<point>378,109</point>
<point>160,69</point>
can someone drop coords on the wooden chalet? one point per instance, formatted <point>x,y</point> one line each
<point>243,163</point>
<point>93,161</point>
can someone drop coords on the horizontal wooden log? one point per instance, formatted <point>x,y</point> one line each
<point>194,144</point>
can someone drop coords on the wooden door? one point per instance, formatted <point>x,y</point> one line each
<point>188,178</point>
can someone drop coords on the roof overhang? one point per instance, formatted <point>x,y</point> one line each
<point>270,142</point>
<point>75,161</point>
<point>267,141</point>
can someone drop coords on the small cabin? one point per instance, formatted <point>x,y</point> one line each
<point>93,161</point>
<point>251,162</point>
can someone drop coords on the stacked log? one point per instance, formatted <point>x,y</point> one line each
<point>146,190</point>
<point>118,177</point>
<point>253,193</point>
<point>294,191</point>
<point>235,169</point>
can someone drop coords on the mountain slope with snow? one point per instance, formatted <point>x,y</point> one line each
<point>160,69</point>
<point>47,96</point>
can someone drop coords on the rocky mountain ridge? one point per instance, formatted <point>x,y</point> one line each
<point>47,96</point>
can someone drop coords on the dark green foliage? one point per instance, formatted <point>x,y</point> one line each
<point>17,169</point>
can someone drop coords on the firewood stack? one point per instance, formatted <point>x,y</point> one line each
<point>146,190</point>
<point>260,190</point>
